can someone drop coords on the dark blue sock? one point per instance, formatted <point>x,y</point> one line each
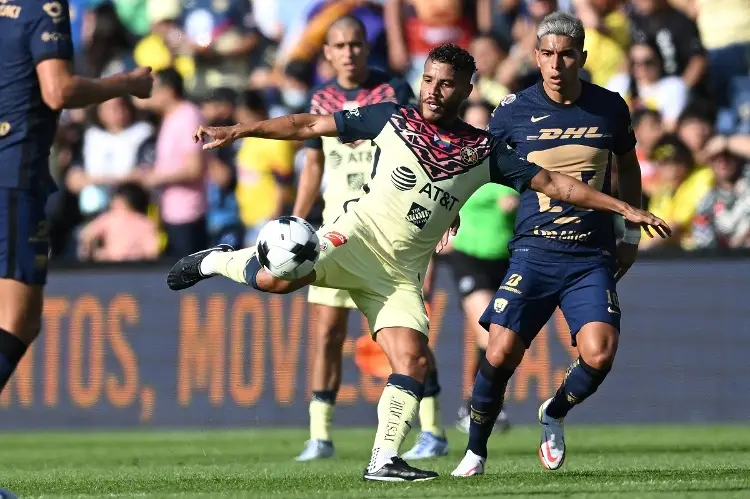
<point>11,353</point>
<point>486,402</point>
<point>431,385</point>
<point>327,396</point>
<point>580,382</point>
<point>407,384</point>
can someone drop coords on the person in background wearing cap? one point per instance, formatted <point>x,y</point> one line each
<point>681,186</point>
<point>723,219</point>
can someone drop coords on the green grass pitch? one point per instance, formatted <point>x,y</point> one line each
<point>603,462</point>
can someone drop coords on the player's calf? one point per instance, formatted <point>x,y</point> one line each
<point>20,322</point>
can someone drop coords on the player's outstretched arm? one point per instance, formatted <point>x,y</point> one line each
<point>291,127</point>
<point>61,89</point>
<point>565,188</point>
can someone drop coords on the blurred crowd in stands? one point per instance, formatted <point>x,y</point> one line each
<point>134,186</point>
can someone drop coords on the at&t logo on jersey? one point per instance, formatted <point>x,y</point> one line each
<point>403,178</point>
<point>418,215</point>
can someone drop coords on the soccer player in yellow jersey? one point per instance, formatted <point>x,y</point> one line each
<point>428,165</point>
<point>348,166</point>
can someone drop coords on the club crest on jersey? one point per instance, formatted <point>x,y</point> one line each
<point>336,238</point>
<point>418,215</point>
<point>469,155</point>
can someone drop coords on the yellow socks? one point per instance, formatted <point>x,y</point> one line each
<point>321,414</point>
<point>429,416</point>
<point>396,411</point>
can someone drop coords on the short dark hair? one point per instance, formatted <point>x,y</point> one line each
<point>670,148</point>
<point>698,110</point>
<point>135,195</point>
<point>640,114</point>
<point>466,105</point>
<point>460,59</point>
<point>253,100</point>
<point>170,78</point>
<point>347,21</point>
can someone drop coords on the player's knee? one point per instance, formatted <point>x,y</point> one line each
<point>505,348</point>
<point>597,345</point>
<point>410,363</point>
<point>331,337</point>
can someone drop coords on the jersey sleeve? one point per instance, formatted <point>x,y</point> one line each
<point>404,92</point>
<point>624,137</point>
<point>363,123</point>
<point>501,121</point>
<point>49,32</point>
<point>508,168</point>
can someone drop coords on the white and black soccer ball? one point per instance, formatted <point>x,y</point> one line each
<point>288,248</point>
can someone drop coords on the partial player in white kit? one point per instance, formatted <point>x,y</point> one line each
<point>430,162</point>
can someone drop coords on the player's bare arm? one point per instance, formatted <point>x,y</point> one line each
<point>309,182</point>
<point>291,127</point>
<point>629,182</point>
<point>570,190</point>
<point>61,89</point>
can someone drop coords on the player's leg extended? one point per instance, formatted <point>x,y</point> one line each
<point>241,266</point>
<point>330,325</point>
<point>432,441</point>
<point>591,308</point>
<point>20,322</point>
<point>408,354</point>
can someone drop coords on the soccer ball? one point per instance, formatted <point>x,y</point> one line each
<point>288,248</point>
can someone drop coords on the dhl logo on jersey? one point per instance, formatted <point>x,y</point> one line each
<point>585,132</point>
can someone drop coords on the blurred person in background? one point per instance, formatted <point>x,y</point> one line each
<point>676,36</point>
<point>179,171</point>
<point>647,86</point>
<point>265,170</point>
<point>695,127</point>
<point>414,27</point>
<point>519,70</point>
<point>607,37</point>
<point>113,147</point>
<point>220,35</point>
<point>123,232</point>
<point>478,254</point>
<point>107,46</point>
<point>163,46</point>
<point>488,55</point>
<point>723,215</point>
<point>681,186</point>
<point>648,130</point>
<point>222,213</point>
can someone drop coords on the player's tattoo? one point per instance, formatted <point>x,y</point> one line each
<point>570,192</point>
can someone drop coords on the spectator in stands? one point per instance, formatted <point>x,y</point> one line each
<point>675,35</point>
<point>265,171</point>
<point>223,217</point>
<point>113,147</point>
<point>694,128</point>
<point>648,131</point>
<point>163,46</point>
<point>607,37</point>
<point>488,56</point>
<point>180,168</point>
<point>723,215</point>
<point>220,35</point>
<point>416,26</point>
<point>122,233</point>
<point>681,187</point>
<point>646,85</point>
<point>107,46</point>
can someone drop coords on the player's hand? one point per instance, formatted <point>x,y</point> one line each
<point>141,82</point>
<point>214,136</point>
<point>648,221</point>
<point>455,225</point>
<point>626,255</point>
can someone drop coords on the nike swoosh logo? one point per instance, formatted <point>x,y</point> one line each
<point>534,119</point>
<point>612,311</point>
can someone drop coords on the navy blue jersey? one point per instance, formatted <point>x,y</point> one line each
<point>31,31</point>
<point>577,139</point>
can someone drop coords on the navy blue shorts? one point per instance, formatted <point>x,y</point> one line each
<point>533,289</point>
<point>24,236</point>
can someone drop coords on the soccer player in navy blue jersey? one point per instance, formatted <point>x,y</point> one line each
<point>561,255</point>
<point>36,83</point>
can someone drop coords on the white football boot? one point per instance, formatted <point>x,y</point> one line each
<point>470,465</point>
<point>552,445</point>
<point>316,449</point>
